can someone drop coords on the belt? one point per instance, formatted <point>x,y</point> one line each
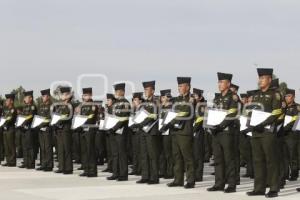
<point>44,129</point>
<point>86,129</point>
<point>5,128</point>
<point>60,126</point>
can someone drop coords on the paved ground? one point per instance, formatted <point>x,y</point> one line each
<point>21,184</point>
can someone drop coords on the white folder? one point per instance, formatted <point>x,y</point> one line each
<point>101,124</point>
<point>297,125</point>
<point>160,124</point>
<point>243,123</point>
<point>258,117</point>
<point>120,131</point>
<point>2,121</point>
<point>130,121</point>
<point>20,120</point>
<point>140,116</point>
<point>169,117</point>
<point>110,122</point>
<point>37,120</point>
<point>215,117</point>
<point>55,118</point>
<point>288,119</point>
<point>78,121</point>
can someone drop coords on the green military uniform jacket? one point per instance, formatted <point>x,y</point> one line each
<point>183,123</point>
<point>229,103</point>
<point>10,114</point>
<point>269,101</point>
<point>151,106</point>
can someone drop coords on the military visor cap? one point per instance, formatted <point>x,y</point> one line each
<point>265,71</point>
<point>87,90</point>
<point>119,86</point>
<point>65,89</point>
<point>244,95</point>
<point>197,91</point>
<point>110,96</point>
<point>45,92</point>
<point>182,80</point>
<point>290,91</point>
<point>10,96</point>
<point>28,93</point>
<point>149,84</point>
<point>165,93</point>
<point>234,86</point>
<point>138,95</point>
<point>224,76</point>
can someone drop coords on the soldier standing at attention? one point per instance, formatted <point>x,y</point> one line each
<point>121,110</point>
<point>150,139</point>
<point>198,130</point>
<point>29,110</point>
<point>291,136</point>
<point>235,88</point>
<point>9,114</point>
<point>245,140</point>
<point>108,137</point>
<point>45,132</point>
<point>88,133</point>
<point>63,131</point>
<point>182,135</point>
<point>137,100</point>
<point>279,131</point>
<point>224,137</point>
<point>76,142</point>
<point>166,157</point>
<point>264,148</point>
<point>100,135</point>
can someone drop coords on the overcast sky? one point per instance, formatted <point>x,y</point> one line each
<point>139,40</point>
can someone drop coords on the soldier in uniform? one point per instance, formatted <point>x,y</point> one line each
<point>182,135</point>
<point>166,157</point>
<point>291,136</point>
<point>121,110</point>
<point>76,142</point>
<point>88,133</point>
<point>108,137</point>
<point>45,132</point>
<point>234,89</point>
<point>242,149</point>
<point>9,114</point>
<point>100,136</point>
<point>63,131</point>
<point>28,134</point>
<point>264,149</point>
<point>18,132</point>
<point>279,131</point>
<point>137,100</point>
<point>224,137</point>
<point>245,149</point>
<point>150,137</point>
<point>199,133</point>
